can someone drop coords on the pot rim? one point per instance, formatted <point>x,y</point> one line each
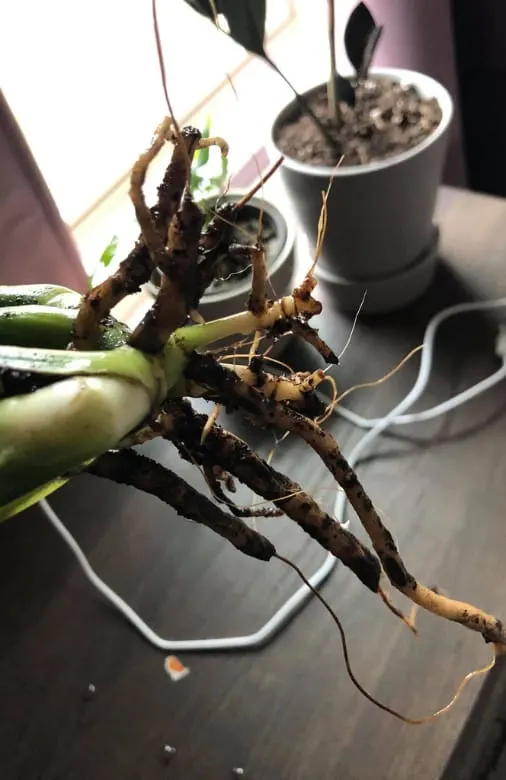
<point>428,86</point>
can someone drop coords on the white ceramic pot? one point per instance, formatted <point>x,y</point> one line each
<point>380,235</point>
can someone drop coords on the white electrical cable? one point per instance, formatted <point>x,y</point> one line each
<point>249,641</point>
<point>299,598</point>
<point>434,411</point>
<point>378,426</point>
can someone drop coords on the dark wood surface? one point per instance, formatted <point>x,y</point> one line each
<point>288,712</point>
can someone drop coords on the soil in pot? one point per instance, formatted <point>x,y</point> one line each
<point>236,268</point>
<point>387,119</point>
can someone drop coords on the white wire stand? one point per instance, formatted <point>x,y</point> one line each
<point>284,615</point>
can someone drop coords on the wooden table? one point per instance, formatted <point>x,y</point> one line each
<point>288,712</point>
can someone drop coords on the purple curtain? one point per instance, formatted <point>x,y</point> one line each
<point>35,244</point>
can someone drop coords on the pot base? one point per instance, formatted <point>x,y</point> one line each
<point>388,293</point>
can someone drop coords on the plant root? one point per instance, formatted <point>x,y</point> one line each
<point>257,302</point>
<point>184,426</point>
<point>311,336</point>
<point>238,511</point>
<point>128,467</point>
<point>497,650</point>
<point>136,269</point>
<point>236,394</point>
<point>176,296</point>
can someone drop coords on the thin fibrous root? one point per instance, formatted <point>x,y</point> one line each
<point>128,467</point>
<point>229,388</point>
<point>183,425</point>
<point>407,620</point>
<point>136,269</point>
<point>211,420</point>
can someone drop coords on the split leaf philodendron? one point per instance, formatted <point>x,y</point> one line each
<point>80,391</point>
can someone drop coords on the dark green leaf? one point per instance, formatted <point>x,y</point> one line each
<point>109,252</point>
<point>360,38</point>
<point>369,51</point>
<point>245,20</point>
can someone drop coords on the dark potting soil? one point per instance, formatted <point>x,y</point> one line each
<point>388,118</point>
<point>232,269</point>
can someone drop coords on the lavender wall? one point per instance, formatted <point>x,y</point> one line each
<point>418,34</point>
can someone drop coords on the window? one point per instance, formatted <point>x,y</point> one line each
<point>83,80</point>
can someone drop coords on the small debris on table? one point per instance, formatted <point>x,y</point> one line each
<point>168,753</point>
<point>175,669</point>
<point>90,692</point>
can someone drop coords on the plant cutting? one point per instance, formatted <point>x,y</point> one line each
<point>81,393</point>
<point>380,135</point>
<point>231,284</point>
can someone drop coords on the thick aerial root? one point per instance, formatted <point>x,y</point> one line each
<point>177,292</point>
<point>136,269</point>
<point>257,301</point>
<point>491,628</point>
<point>296,389</point>
<point>130,468</point>
<point>184,426</point>
<point>233,393</point>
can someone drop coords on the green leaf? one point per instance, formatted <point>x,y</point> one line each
<point>202,156</point>
<point>109,252</point>
<point>195,181</point>
<point>245,19</point>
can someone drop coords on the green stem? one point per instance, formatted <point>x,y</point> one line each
<point>47,434</point>
<point>51,327</point>
<point>38,294</point>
